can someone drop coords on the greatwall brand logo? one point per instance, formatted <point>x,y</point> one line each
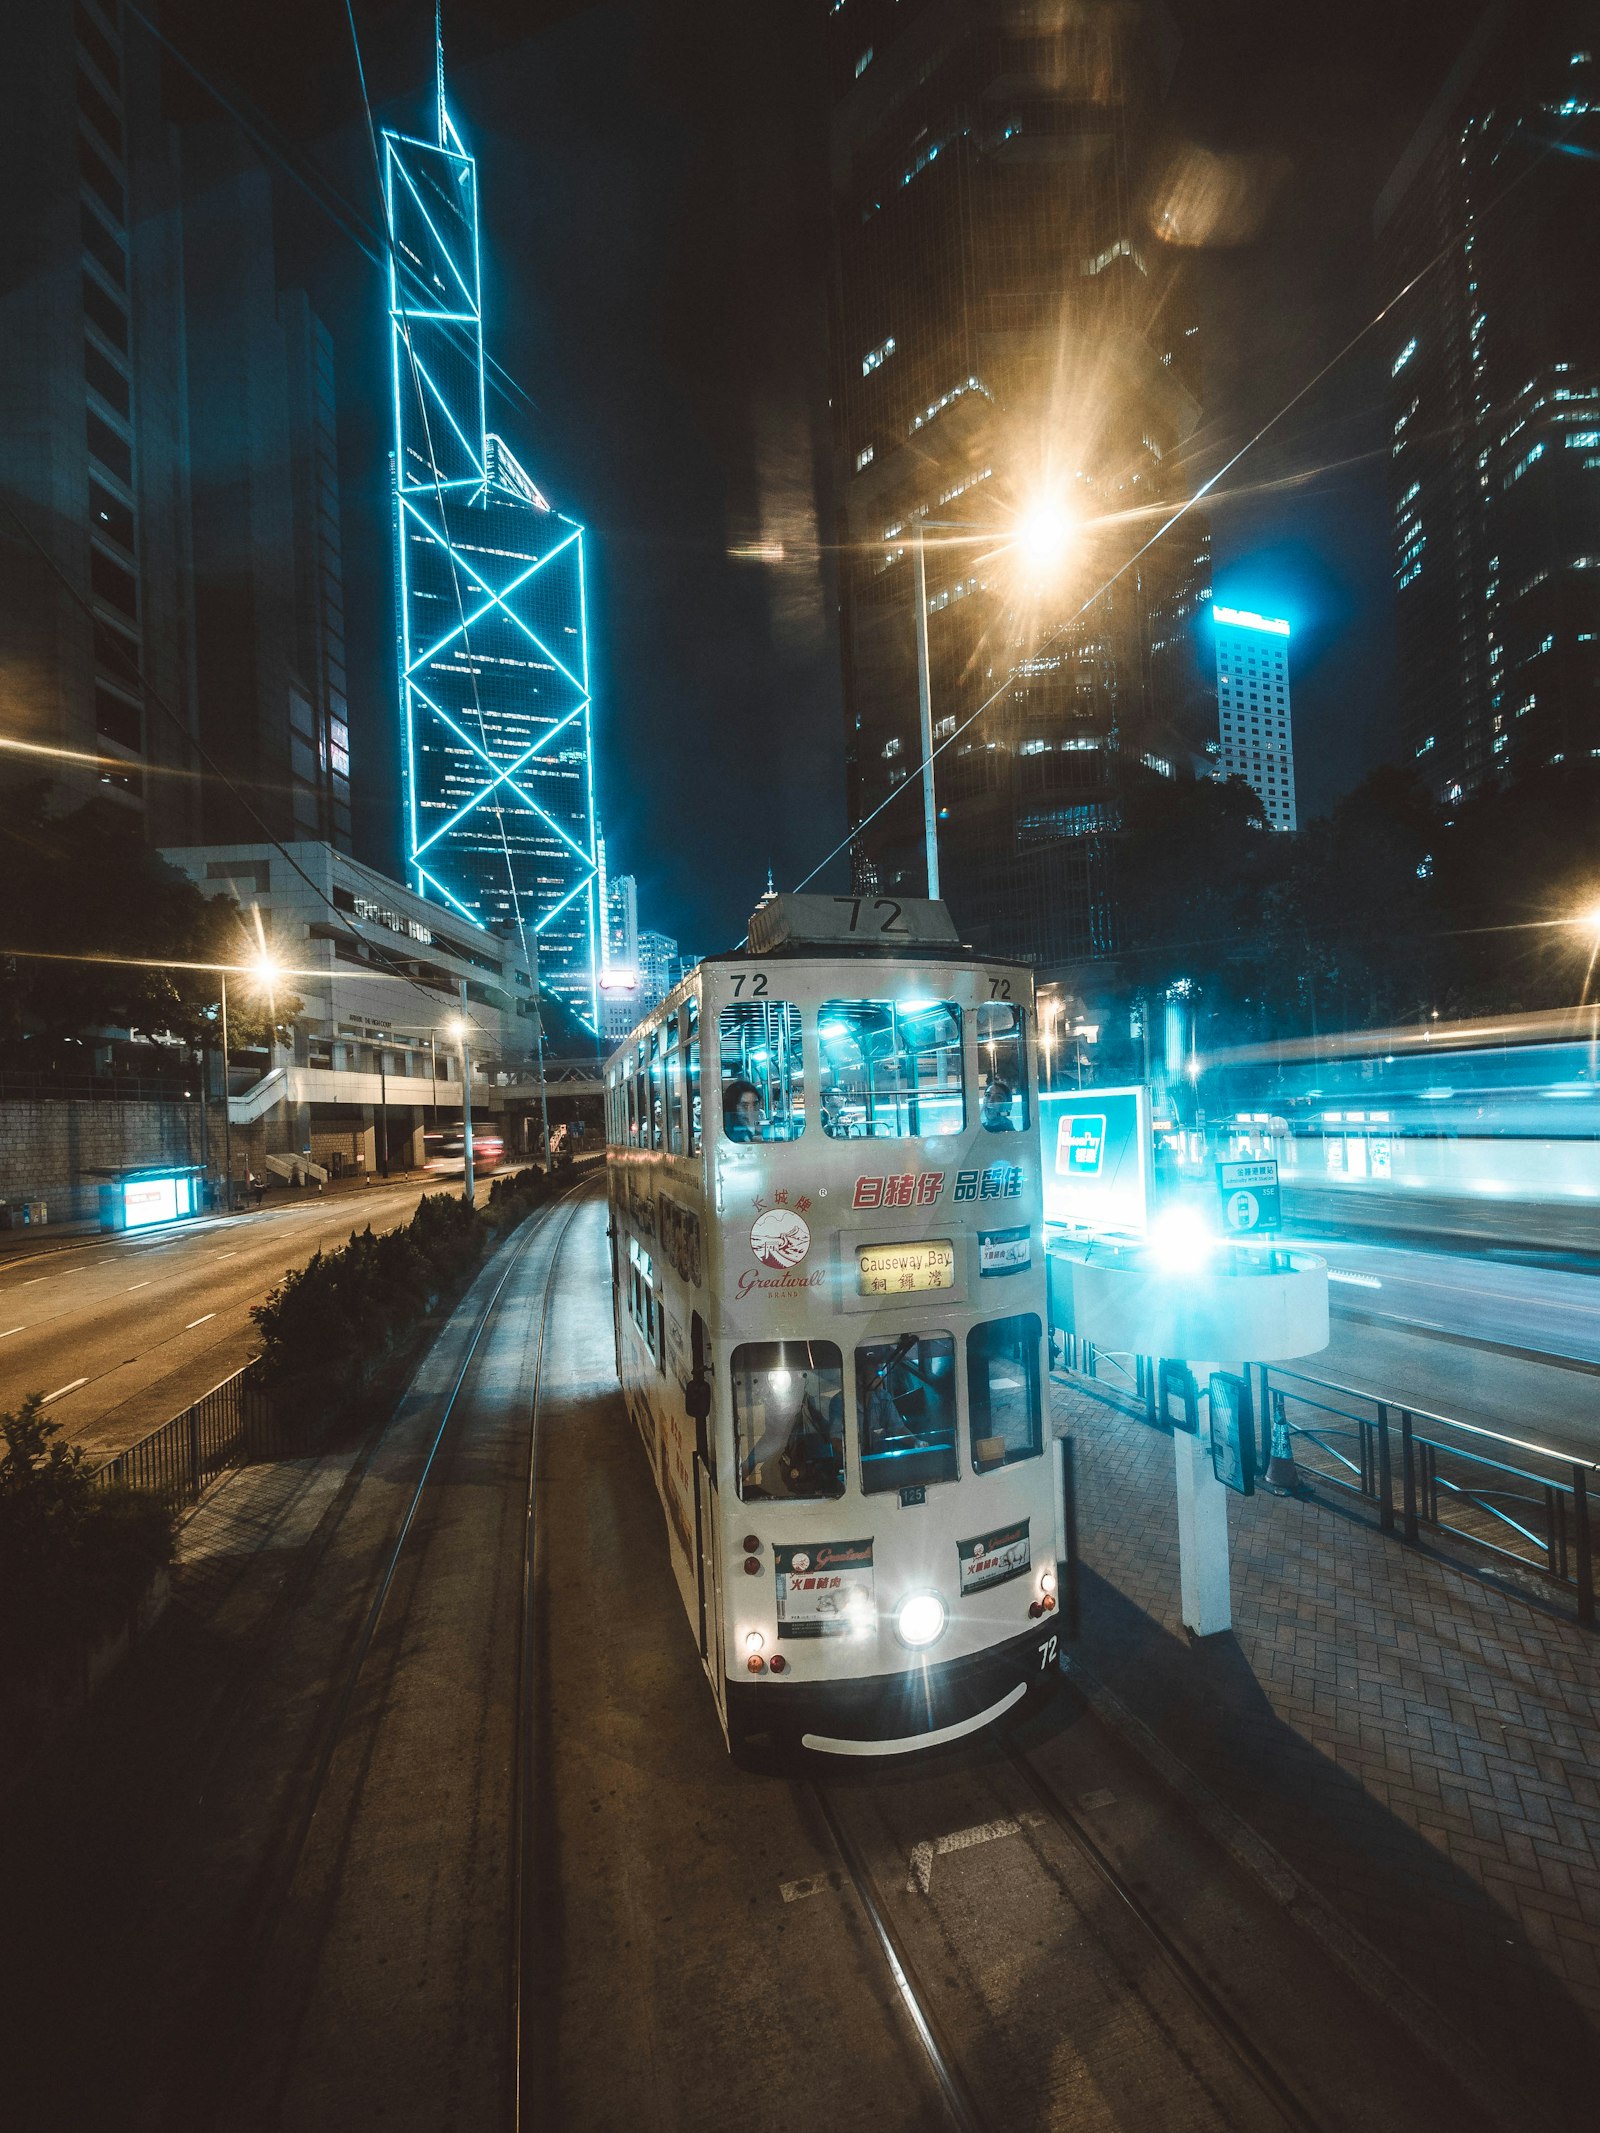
<point>780,1238</point>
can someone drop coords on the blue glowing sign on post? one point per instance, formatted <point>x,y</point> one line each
<point>1096,1149</point>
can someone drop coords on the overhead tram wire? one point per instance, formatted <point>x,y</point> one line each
<point>319,188</point>
<point>1557,141</point>
<point>438,487</point>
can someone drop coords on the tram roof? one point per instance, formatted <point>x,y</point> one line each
<point>904,928</point>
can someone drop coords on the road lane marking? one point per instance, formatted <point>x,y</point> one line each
<point>1355,1281</point>
<point>189,1328</point>
<point>33,1281</point>
<point>920,1864</point>
<point>61,1391</point>
<point>227,1255</point>
<point>10,1330</point>
<point>132,1285</point>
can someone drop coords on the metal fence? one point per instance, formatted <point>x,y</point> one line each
<point>231,1425</point>
<point>1523,1505</point>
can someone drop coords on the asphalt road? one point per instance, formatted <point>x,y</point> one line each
<point>121,1333</point>
<point>1487,1339</point>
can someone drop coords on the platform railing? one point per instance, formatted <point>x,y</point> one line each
<point>1521,1504</point>
<point>231,1425</point>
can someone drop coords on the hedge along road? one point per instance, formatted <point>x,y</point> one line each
<point>121,1334</point>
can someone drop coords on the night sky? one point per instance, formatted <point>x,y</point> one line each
<point>654,193</point>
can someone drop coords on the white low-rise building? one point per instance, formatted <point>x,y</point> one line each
<point>372,1063</point>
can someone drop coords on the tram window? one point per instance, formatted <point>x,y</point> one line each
<point>1003,1390</point>
<point>1003,1066</point>
<point>674,1090</point>
<point>640,1136</point>
<point>906,1398</point>
<point>655,1088</point>
<point>891,1069</point>
<point>763,1081</point>
<point>629,1103</point>
<point>692,1076</point>
<point>788,1419</point>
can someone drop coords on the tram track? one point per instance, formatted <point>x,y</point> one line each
<point>258,1952</point>
<point>959,2084</point>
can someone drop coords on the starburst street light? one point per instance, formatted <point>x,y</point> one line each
<point>1043,537</point>
<point>1040,539</point>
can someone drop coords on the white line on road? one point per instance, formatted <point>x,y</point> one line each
<point>62,1390</point>
<point>10,1330</point>
<point>189,1328</point>
<point>960,1840</point>
<point>227,1255</point>
<point>33,1281</point>
<point>132,1285</point>
<point>1354,1281</point>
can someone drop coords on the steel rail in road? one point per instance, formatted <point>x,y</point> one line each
<point>523,1796</point>
<point>958,2099</point>
<point>273,1906</point>
<point>1233,2032</point>
<point>954,2089</point>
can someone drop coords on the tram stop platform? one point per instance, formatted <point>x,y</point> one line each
<point>1407,1755</point>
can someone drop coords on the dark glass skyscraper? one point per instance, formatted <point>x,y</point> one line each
<point>1003,330</point>
<point>1494,359</point>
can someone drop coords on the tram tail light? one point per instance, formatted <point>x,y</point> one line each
<point>756,1663</point>
<point>780,1665</point>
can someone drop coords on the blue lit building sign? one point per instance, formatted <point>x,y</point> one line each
<point>1241,618</point>
<point>497,759</point>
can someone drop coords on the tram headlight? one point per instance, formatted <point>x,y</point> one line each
<point>754,1641</point>
<point>1047,1581</point>
<point>920,1619</point>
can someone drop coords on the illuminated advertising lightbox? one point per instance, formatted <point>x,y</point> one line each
<point>1096,1147</point>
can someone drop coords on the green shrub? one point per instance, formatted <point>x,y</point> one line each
<point>74,1559</point>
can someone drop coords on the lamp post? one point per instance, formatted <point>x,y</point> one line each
<point>461,1030</point>
<point>1041,536</point>
<point>227,1115</point>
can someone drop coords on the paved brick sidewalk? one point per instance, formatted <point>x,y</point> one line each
<point>1421,1747</point>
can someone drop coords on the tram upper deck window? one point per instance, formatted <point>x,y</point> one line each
<point>632,1095</point>
<point>788,1419</point>
<point>891,1069</point>
<point>906,1399</point>
<point>763,1076</point>
<point>674,1069</point>
<point>655,1089</point>
<point>692,1075</point>
<point>1003,1066</point>
<point>1003,1390</point>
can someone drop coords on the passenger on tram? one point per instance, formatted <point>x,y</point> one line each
<point>742,1116</point>
<point>997,1098</point>
<point>836,1120</point>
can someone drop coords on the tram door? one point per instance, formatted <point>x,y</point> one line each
<point>707,1530</point>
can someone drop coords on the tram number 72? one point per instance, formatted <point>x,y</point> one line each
<point>1047,1654</point>
<point>883,917</point>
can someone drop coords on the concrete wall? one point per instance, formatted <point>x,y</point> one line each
<point>49,1150</point>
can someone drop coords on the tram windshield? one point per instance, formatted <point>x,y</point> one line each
<point>1003,1066</point>
<point>1003,1390</point>
<point>763,1077</point>
<point>906,1397</point>
<point>788,1419</point>
<point>891,1069</point>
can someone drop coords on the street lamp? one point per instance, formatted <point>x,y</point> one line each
<point>460,1029</point>
<point>264,970</point>
<point>1041,538</point>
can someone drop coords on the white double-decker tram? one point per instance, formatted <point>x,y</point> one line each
<point>829,1300</point>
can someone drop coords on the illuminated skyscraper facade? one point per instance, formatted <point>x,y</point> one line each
<point>1255,729</point>
<point>1493,355</point>
<point>495,707</point>
<point>1004,322</point>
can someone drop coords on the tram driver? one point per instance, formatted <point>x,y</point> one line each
<point>743,1117</point>
<point>800,1451</point>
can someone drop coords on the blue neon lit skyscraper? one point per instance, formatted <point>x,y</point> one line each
<point>494,657</point>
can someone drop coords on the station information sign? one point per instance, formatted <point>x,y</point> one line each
<point>1250,1199</point>
<point>1097,1158</point>
<point>901,1269</point>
